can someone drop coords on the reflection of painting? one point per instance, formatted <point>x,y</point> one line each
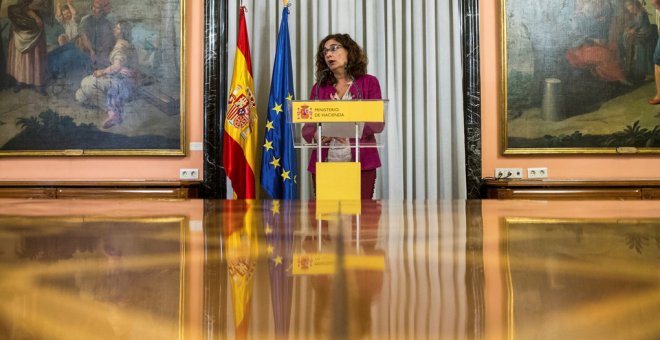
<point>579,76</point>
<point>91,77</point>
<point>583,279</point>
<point>85,278</point>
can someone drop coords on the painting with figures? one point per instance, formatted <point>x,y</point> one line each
<point>91,77</point>
<point>579,76</point>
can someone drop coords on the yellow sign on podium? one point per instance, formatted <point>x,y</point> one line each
<point>326,263</point>
<point>338,111</point>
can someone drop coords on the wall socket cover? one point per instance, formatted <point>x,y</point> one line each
<point>537,172</point>
<point>196,146</point>
<point>508,173</point>
<point>190,174</point>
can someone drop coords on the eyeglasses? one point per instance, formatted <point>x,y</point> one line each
<point>332,48</point>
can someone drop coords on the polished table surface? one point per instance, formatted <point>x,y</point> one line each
<point>194,269</point>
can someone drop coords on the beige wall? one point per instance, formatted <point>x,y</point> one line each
<point>132,168</point>
<point>580,167</point>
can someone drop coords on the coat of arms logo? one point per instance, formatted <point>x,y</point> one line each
<point>241,110</point>
<point>305,112</point>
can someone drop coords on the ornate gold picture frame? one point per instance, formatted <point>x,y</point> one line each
<point>578,77</point>
<point>92,78</point>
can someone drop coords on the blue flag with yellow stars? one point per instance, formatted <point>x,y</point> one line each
<point>278,163</point>
<point>278,228</point>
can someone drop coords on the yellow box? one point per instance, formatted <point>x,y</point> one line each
<point>338,181</point>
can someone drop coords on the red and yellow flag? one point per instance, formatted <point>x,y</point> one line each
<point>241,252</point>
<point>240,135</point>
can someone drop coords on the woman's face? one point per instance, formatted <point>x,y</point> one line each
<point>336,55</point>
<point>117,31</point>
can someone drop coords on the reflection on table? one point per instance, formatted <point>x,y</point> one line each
<point>370,269</point>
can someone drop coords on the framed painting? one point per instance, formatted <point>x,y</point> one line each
<point>580,278</point>
<point>578,77</point>
<point>95,276</point>
<point>92,77</point>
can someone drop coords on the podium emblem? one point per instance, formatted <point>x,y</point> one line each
<point>305,112</point>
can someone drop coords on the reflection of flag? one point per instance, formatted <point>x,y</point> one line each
<point>242,250</point>
<point>279,236</point>
<point>240,136</point>
<point>278,163</point>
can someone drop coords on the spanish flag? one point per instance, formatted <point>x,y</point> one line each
<point>241,252</point>
<point>240,136</point>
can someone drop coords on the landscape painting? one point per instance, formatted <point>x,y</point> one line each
<point>579,76</point>
<point>92,77</point>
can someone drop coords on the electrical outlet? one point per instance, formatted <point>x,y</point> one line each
<point>537,173</point>
<point>508,173</point>
<point>189,174</point>
<point>196,146</point>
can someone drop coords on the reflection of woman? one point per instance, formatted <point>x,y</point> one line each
<point>27,54</point>
<point>357,291</point>
<point>341,74</point>
<point>116,81</point>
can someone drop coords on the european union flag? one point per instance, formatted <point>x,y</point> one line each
<point>278,228</point>
<point>278,163</point>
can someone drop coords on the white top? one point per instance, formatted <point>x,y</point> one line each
<point>340,150</point>
<point>70,27</point>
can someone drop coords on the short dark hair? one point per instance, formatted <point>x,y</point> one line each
<point>355,67</point>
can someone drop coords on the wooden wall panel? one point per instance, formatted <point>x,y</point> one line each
<point>113,189</point>
<point>572,190</point>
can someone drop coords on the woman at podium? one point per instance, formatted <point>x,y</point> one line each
<point>341,74</point>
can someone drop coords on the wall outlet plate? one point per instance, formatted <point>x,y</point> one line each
<point>537,172</point>
<point>196,146</point>
<point>189,174</point>
<point>508,173</point>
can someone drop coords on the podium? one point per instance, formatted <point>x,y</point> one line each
<point>337,120</point>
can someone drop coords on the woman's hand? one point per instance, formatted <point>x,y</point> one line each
<point>125,71</point>
<point>36,18</point>
<point>324,140</point>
